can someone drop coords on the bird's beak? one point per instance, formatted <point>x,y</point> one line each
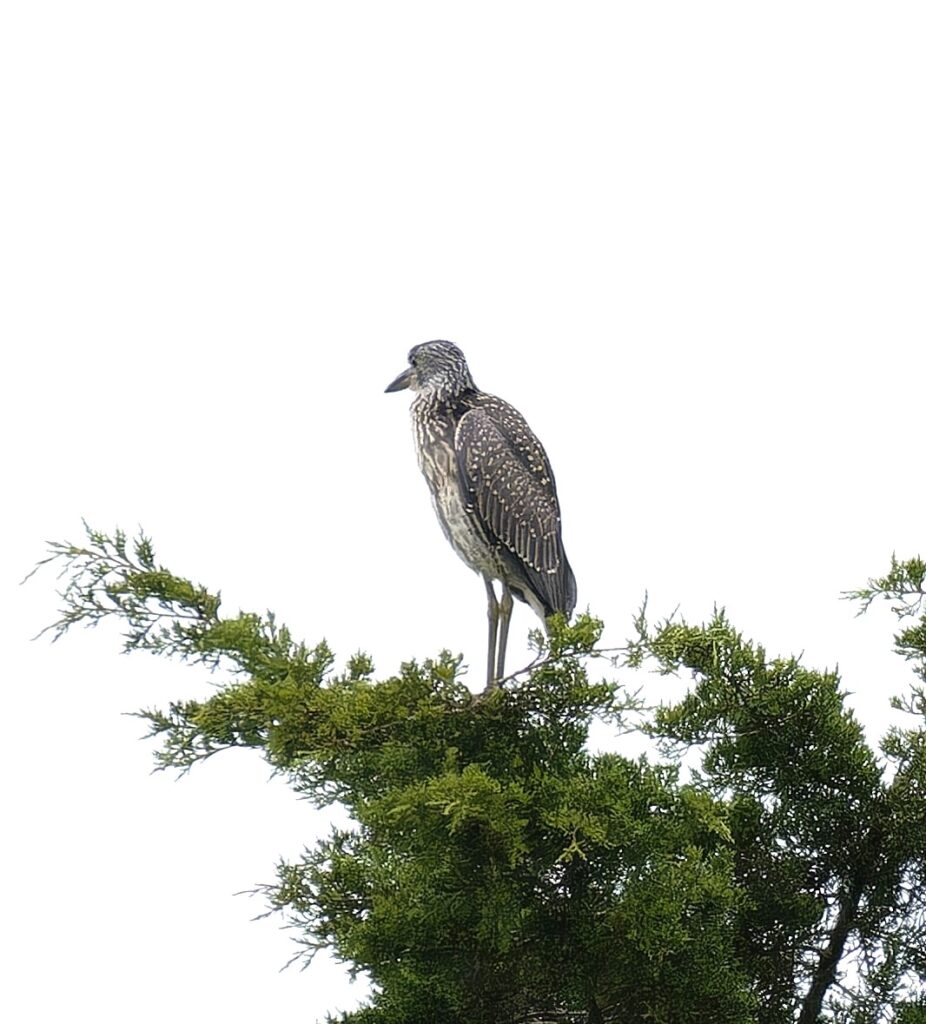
<point>403,380</point>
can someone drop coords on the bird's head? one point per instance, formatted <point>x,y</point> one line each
<point>436,367</point>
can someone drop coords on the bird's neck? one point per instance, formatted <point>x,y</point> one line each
<point>440,397</point>
<point>436,414</point>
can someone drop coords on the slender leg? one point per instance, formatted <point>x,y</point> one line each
<point>504,619</point>
<point>493,632</point>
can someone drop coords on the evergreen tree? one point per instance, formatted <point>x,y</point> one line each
<point>497,871</point>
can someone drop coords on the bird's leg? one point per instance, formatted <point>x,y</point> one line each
<point>505,606</point>
<point>493,632</point>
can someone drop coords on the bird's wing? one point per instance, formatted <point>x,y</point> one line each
<point>508,486</point>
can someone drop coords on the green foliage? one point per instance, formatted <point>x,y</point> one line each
<point>496,870</point>
<point>911,1013</point>
<point>905,587</point>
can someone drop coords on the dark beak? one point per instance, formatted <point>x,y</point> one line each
<point>403,380</point>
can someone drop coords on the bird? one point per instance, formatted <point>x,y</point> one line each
<point>493,491</point>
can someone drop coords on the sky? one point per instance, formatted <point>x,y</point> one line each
<point>685,240</point>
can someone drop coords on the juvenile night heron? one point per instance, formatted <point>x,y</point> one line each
<point>493,490</point>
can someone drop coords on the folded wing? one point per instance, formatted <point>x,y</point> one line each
<point>509,488</point>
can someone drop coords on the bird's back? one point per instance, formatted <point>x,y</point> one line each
<point>495,495</point>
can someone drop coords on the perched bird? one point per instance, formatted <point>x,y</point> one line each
<point>492,488</point>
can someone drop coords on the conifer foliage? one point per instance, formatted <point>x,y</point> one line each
<point>496,871</point>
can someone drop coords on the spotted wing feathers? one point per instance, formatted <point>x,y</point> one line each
<point>508,487</point>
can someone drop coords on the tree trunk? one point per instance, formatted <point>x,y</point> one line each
<point>825,974</point>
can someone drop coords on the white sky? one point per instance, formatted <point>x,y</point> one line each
<point>685,240</point>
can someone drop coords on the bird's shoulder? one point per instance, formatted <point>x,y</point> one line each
<point>489,426</point>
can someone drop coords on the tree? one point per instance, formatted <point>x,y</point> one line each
<point>497,871</point>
